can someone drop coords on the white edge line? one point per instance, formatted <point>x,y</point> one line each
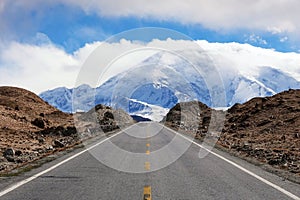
<point>27,180</point>
<point>289,194</point>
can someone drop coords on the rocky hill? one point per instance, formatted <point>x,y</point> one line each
<point>267,129</point>
<point>103,119</point>
<point>189,116</point>
<point>30,128</point>
<point>264,129</point>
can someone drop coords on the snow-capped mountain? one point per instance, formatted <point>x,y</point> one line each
<point>276,80</point>
<point>164,79</point>
<point>60,98</point>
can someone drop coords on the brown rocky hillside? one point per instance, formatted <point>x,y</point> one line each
<point>264,129</point>
<point>189,116</point>
<point>104,119</point>
<point>267,129</point>
<point>30,128</point>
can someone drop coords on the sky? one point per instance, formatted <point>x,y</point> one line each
<point>44,43</point>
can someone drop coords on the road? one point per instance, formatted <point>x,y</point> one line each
<point>147,161</point>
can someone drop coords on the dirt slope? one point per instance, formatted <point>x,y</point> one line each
<point>267,129</point>
<point>264,129</point>
<point>30,128</point>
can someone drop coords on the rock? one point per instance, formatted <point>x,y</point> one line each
<point>40,150</point>
<point>69,131</point>
<point>2,167</point>
<point>99,106</point>
<point>49,148</point>
<point>39,122</point>
<point>108,115</point>
<point>2,159</point>
<point>19,160</point>
<point>18,153</point>
<point>206,120</point>
<point>9,152</point>
<point>59,130</point>
<point>41,140</point>
<point>57,143</point>
<point>263,122</point>
<point>17,108</point>
<point>10,158</point>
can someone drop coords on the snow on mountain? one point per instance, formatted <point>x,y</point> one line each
<point>163,79</point>
<point>276,80</point>
<point>246,89</point>
<point>153,112</point>
<point>60,98</point>
<point>155,95</point>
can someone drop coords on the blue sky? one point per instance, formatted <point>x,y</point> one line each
<point>71,26</point>
<point>44,43</point>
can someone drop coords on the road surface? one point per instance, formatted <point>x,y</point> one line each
<point>147,161</point>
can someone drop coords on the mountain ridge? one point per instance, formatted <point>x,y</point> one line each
<point>170,80</point>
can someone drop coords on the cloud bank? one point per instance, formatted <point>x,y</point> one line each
<point>273,16</point>
<point>42,67</point>
<point>276,16</point>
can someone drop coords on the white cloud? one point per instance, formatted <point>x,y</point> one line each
<point>256,39</point>
<point>283,39</point>
<point>275,30</point>
<point>41,38</point>
<point>246,58</point>
<point>36,68</point>
<point>276,16</point>
<point>39,68</point>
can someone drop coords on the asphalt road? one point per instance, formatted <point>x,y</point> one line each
<point>147,161</point>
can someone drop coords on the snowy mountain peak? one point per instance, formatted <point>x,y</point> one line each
<point>164,79</point>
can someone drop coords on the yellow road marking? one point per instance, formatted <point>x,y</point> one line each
<point>148,144</point>
<point>148,152</point>
<point>147,165</point>
<point>147,193</point>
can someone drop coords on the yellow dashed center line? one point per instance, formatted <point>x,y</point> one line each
<point>147,165</point>
<point>147,193</point>
<point>147,189</point>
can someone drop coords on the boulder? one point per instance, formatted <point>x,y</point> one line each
<point>18,153</point>
<point>59,144</point>
<point>108,115</point>
<point>39,122</point>
<point>9,152</point>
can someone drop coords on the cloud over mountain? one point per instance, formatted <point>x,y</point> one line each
<point>42,67</point>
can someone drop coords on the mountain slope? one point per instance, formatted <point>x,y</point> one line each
<point>267,129</point>
<point>264,129</point>
<point>276,80</point>
<point>30,128</point>
<point>165,79</point>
